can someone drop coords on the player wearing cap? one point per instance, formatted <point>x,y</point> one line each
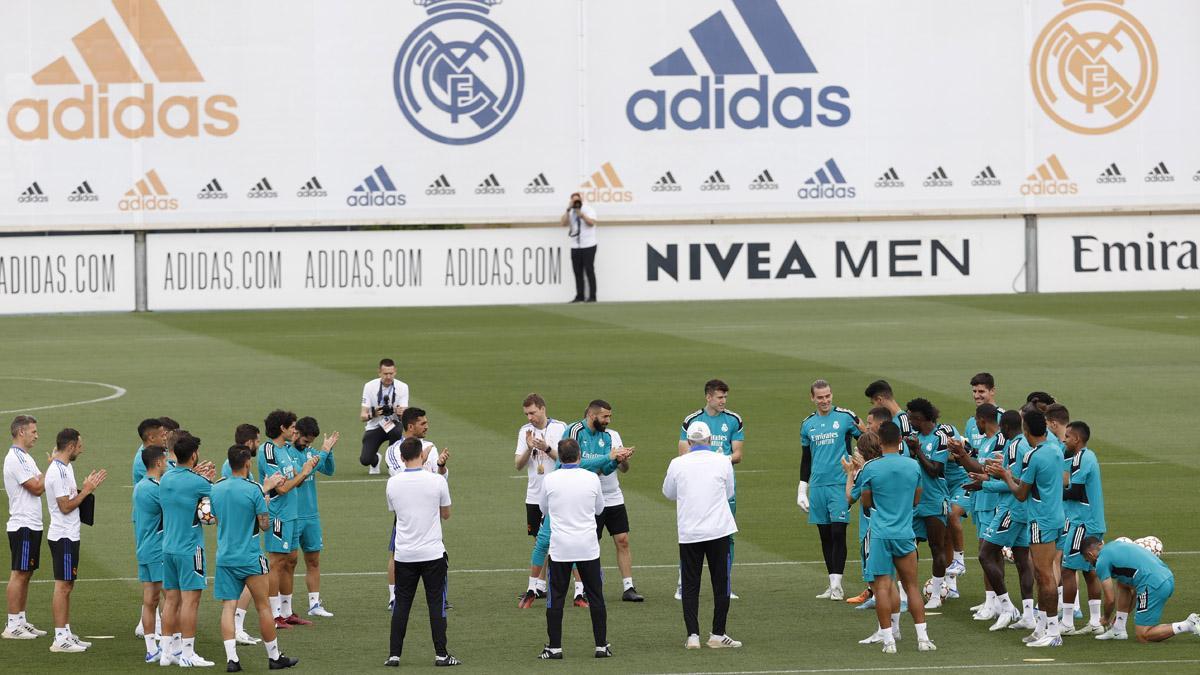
<point>701,484</point>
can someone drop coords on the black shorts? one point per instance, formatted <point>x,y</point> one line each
<point>533,519</point>
<point>614,518</point>
<point>65,554</point>
<point>26,547</point>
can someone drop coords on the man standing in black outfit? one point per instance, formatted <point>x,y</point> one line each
<point>580,221</point>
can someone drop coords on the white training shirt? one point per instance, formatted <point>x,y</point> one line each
<point>582,235</point>
<point>610,483</point>
<point>24,507</point>
<point>395,463</point>
<point>701,485</point>
<point>552,434</point>
<point>571,499</point>
<point>60,482</point>
<point>416,497</point>
<point>395,396</point>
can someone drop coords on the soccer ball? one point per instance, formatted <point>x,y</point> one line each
<point>1008,555</point>
<point>927,591</point>
<point>1127,540</point>
<point>1151,543</point>
<point>204,514</point>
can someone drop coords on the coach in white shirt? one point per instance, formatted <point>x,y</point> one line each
<point>421,501</point>
<point>24,485</point>
<point>383,400</point>
<point>701,485</point>
<point>571,499</point>
<point>580,221</point>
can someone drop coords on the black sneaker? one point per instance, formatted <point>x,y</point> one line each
<point>447,660</point>
<point>547,654</point>
<point>631,595</point>
<point>392,662</point>
<point>282,662</point>
<point>604,652</point>
<point>526,600</point>
<point>233,667</point>
<point>540,594</point>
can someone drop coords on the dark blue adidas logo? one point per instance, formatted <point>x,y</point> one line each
<point>827,182</point>
<point>710,106</point>
<point>377,189</point>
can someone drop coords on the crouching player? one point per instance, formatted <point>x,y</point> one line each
<point>1133,577</point>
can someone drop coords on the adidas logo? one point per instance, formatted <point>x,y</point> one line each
<point>938,179</point>
<point>441,186</point>
<point>764,181</point>
<point>83,193</point>
<point>33,195</point>
<point>889,179</point>
<point>312,188</point>
<point>1159,174</point>
<point>92,115</point>
<point>212,191</point>
<point>666,184</point>
<point>1050,178</point>
<point>726,56</point>
<point>827,183</point>
<point>606,186</point>
<point>489,186</point>
<point>377,189</point>
<point>986,178</point>
<point>539,186</point>
<point>1196,177</point>
<point>148,194</point>
<point>1111,175</point>
<point>715,182</point>
<point>262,190</point>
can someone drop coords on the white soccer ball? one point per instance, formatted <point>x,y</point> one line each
<point>1008,555</point>
<point>927,591</point>
<point>1151,543</point>
<point>204,512</point>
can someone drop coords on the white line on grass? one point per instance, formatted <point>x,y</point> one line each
<point>1126,463</point>
<point>118,392</point>
<point>975,666</point>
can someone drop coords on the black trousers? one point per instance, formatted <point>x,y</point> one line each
<point>372,439</point>
<point>432,573</point>
<point>583,262</point>
<point>691,562</point>
<point>558,578</point>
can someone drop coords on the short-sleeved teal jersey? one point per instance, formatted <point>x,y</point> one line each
<point>1014,457</point>
<point>1089,509</point>
<point>955,474</point>
<point>139,467</point>
<point>148,521</point>
<point>933,445</point>
<point>226,472</point>
<point>864,514</point>
<point>281,460</point>
<point>1132,565</point>
<point>1044,471</point>
<point>971,432</point>
<point>829,438</point>
<point>726,427</point>
<point>892,481</point>
<point>306,492</point>
<point>989,448</point>
<point>180,491</point>
<point>236,504</point>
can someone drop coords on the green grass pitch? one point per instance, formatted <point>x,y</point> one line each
<point>1126,363</point>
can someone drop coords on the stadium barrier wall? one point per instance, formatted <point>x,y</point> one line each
<point>1119,253</point>
<point>161,114</point>
<point>85,273</point>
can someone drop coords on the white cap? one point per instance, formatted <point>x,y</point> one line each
<point>698,431</point>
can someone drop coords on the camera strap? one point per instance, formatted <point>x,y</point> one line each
<point>391,394</point>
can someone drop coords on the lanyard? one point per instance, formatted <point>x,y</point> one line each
<point>391,393</point>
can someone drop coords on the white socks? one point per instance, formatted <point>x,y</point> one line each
<point>189,647</point>
<point>314,599</point>
<point>391,592</point>
<point>958,557</point>
<point>14,620</point>
<point>285,605</point>
<point>1068,615</point>
<point>157,621</point>
<point>896,625</point>
<point>835,581</point>
<point>1027,610</point>
<point>626,583</point>
<point>61,633</point>
<point>151,644</point>
<point>922,634</point>
<point>1119,622</point>
<point>231,650</point>
<point>1094,611</point>
<point>273,649</point>
<point>578,588</point>
<point>275,602</point>
<point>989,600</point>
<point>542,586</point>
<point>1181,627</point>
<point>239,621</point>
<point>533,584</point>
<point>936,588</point>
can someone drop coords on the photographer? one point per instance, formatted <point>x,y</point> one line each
<point>580,219</point>
<point>383,399</point>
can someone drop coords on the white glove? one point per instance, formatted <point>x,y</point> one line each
<point>802,496</point>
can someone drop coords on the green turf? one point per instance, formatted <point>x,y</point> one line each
<point>1126,363</point>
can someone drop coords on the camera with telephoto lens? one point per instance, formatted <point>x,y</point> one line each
<point>577,204</point>
<point>386,411</point>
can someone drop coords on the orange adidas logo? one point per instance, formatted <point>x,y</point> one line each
<point>606,186</point>
<point>106,60</point>
<point>148,194</point>
<point>1049,178</point>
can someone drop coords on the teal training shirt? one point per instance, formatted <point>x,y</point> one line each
<point>828,438</point>
<point>236,503</point>
<point>1044,471</point>
<point>148,521</point>
<point>273,460</point>
<point>1131,565</point>
<point>180,491</point>
<point>864,514</point>
<point>1014,457</point>
<point>1084,468</point>
<point>987,447</point>
<point>933,445</point>
<point>955,474</point>
<point>306,492</point>
<point>726,427</point>
<point>893,482</point>
<point>226,472</point>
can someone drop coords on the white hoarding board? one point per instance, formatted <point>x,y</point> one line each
<point>1118,253</point>
<point>66,274</point>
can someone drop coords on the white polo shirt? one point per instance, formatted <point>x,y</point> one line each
<point>540,464</point>
<point>396,396</point>
<point>581,234</point>
<point>24,507</point>
<point>60,482</point>
<point>395,463</point>
<point>416,496</point>
<point>701,485</point>
<point>571,499</point>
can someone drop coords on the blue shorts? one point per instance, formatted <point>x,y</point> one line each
<point>230,581</point>
<point>1044,532</point>
<point>541,545</point>
<point>932,508</point>
<point>961,498</point>
<point>1148,602</point>
<point>284,537</point>
<point>1005,531</point>
<point>184,572</point>
<point>151,573</point>
<point>1071,544</point>
<point>882,555</point>
<point>827,505</point>
<point>310,536</point>
<point>920,530</point>
<point>864,548</point>
<point>982,520</point>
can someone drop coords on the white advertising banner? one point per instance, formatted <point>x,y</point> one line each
<point>533,265</point>
<point>171,114</point>
<point>1119,253</point>
<point>41,275</point>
